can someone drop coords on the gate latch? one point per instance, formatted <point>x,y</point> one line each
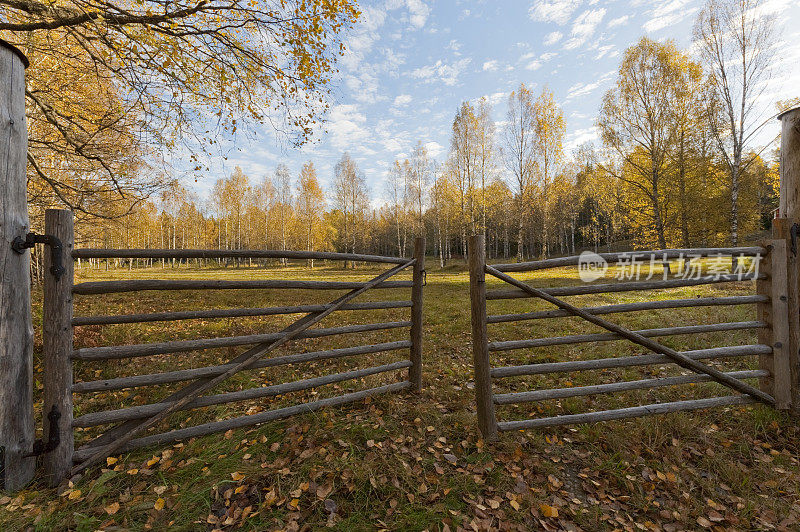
<point>53,438</point>
<point>19,245</point>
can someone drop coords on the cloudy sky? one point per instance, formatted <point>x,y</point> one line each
<point>410,63</point>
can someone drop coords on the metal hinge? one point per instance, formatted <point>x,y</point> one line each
<point>41,447</point>
<point>19,245</point>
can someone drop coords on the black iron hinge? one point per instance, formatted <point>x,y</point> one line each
<point>19,245</point>
<point>53,437</point>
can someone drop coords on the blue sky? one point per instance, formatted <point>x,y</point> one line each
<point>410,64</point>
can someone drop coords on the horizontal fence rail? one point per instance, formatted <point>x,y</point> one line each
<point>659,256</point>
<point>625,413</point>
<point>605,337</point>
<point>178,346</point>
<point>168,377</point>
<point>623,287</point>
<point>94,253</point>
<point>114,287</point>
<point>214,427</point>
<point>765,349</point>
<point>228,313</point>
<point>138,412</point>
<point>629,361</point>
<point>634,307</point>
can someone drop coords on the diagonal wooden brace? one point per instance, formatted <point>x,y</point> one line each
<point>680,359</point>
<point>256,353</point>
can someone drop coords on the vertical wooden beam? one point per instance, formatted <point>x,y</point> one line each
<point>57,348</point>
<point>790,212</point>
<point>415,371</point>
<point>480,343</point>
<point>16,329</point>
<point>764,313</point>
<point>779,300</point>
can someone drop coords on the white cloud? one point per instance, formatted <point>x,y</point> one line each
<point>581,136</point>
<point>418,12</point>
<point>440,71</point>
<point>491,66</point>
<point>668,13</point>
<point>434,149</point>
<point>346,126</point>
<point>552,38</point>
<point>534,65</point>
<point>619,21</point>
<point>583,89</point>
<point>402,100</point>
<point>584,26</point>
<point>558,11</point>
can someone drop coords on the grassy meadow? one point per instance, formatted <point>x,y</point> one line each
<point>412,462</point>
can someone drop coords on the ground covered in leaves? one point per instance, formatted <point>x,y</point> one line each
<point>415,462</point>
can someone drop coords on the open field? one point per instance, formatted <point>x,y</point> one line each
<point>412,462</point>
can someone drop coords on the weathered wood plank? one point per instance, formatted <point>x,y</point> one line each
<point>619,287</point>
<point>16,330</point>
<point>57,347</point>
<point>137,285</point>
<point>628,362</point>
<point>415,373</point>
<point>487,421</point>
<point>139,412</point>
<point>168,377</point>
<point>624,413</point>
<point>84,453</point>
<point>93,253</point>
<point>634,307</point>
<point>228,313</point>
<point>179,346</point>
<point>607,337</point>
<point>612,258</point>
<point>624,386</point>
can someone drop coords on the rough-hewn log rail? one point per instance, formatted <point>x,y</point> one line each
<point>143,411</point>
<point>168,377</point>
<point>96,253</point>
<point>85,453</point>
<point>621,287</point>
<point>624,386</point>
<point>114,287</point>
<point>178,346</point>
<point>628,362</point>
<point>228,313</point>
<point>611,258</point>
<point>603,337</point>
<point>634,307</point>
<point>624,413</point>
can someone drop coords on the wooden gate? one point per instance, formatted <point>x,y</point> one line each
<point>132,426</point>
<point>771,322</point>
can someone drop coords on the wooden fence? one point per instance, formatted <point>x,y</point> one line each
<point>771,313</point>
<point>132,422</point>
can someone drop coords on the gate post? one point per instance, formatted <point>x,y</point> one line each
<point>787,228</point>
<point>415,371</point>
<point>16,328</point>
<point>480,343</point>
<point>57,348</point>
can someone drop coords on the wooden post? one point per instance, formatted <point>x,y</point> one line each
<point>16,329</point>
<point>415,371</point>
<point>57,349</point>
<point>779,325</point>
<point>789,211</point>
<point>480,343</point>
<point>764,313</point>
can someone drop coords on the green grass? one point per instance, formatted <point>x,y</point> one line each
<point>416,462</point>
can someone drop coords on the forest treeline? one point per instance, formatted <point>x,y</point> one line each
<point>676,166</point>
